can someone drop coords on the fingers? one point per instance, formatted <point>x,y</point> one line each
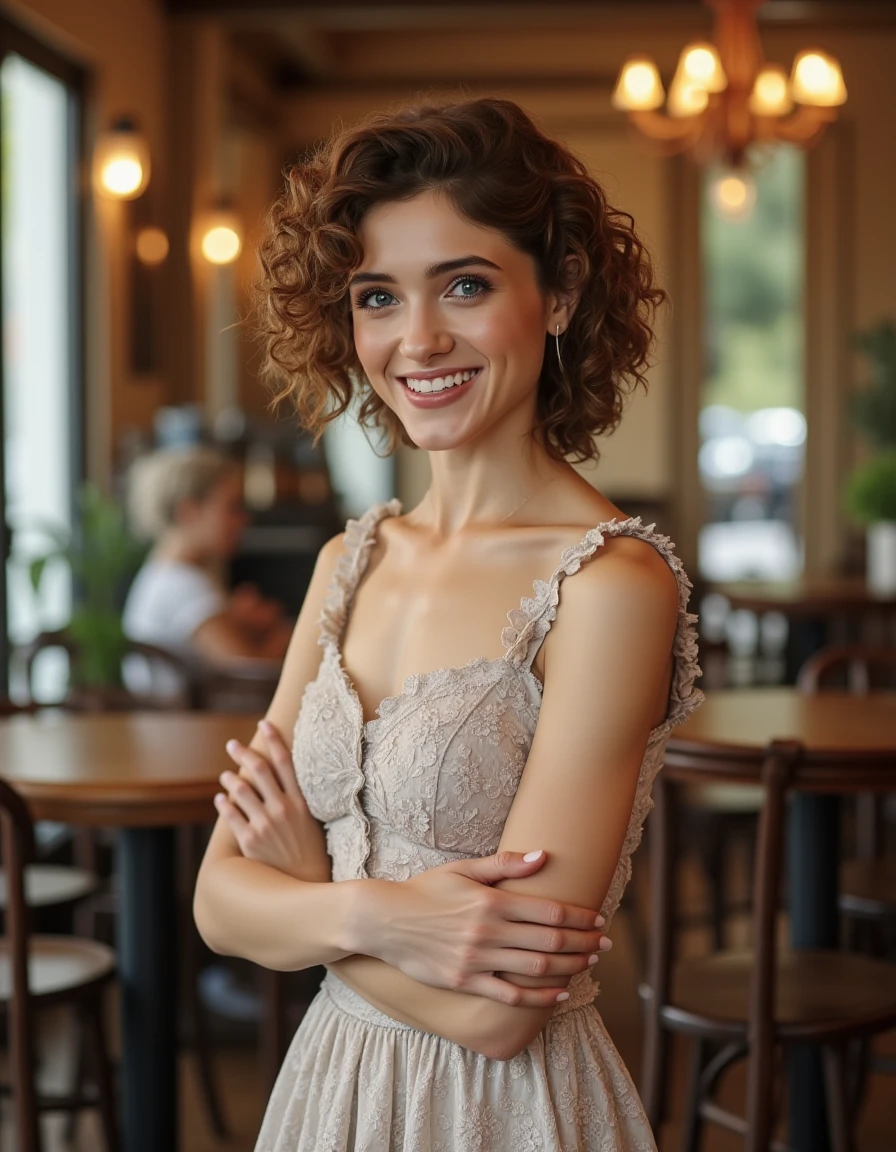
<point>539,964</point>
<point>556,913</point>
<point>493,988</point>
<point>231,815</point>
<point>500,866</point>
<point>281,757</point>
<point>534,938</point>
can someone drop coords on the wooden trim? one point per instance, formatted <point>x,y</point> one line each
<point>829,322</point>
<point>685,335</point>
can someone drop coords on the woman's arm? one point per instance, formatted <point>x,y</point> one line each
<point>246,908</point>
<point>606,686</point>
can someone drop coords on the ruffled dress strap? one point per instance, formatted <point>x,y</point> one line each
<point>360,536</point>
<point>531,622</point>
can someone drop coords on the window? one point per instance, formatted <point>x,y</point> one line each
<point>752,414</point>
<point>41,333</point>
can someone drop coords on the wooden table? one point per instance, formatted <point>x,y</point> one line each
<point>829,725</point>
<point>143,773</point>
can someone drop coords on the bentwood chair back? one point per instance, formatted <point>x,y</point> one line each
<point>115,699</point>
<point>42,970</point>
<point>861,669</point>
<point>745,1004</point>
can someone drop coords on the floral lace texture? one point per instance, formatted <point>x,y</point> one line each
<point>431,778</point>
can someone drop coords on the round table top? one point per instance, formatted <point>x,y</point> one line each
<point>126,769</point>
<point>806,596</point>
<point>832,723</point>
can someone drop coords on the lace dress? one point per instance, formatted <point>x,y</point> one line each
<point>431,779</point>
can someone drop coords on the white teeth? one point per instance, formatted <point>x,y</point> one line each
<point>440,383</point>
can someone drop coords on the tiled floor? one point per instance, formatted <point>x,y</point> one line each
<point>619,973</point>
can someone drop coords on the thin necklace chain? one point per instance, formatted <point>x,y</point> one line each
<point>528,498</point>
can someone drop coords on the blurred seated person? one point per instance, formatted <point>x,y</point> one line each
<point>189,502</point>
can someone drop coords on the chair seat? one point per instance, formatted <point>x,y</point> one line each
<point>818,994</point>
<point>58,965</point>
<point>868,887</point>
<point>47,885</point>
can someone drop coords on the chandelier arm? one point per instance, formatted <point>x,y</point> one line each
<point>669,129</point>
<point>805,126</point>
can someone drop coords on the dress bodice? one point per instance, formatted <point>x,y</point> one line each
<point>432,776</point>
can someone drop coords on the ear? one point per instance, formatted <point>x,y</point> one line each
<point>562,302</point>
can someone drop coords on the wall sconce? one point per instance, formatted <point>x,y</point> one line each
<point>222,236</point>
<point>121,161</point>
<point>151,246</point>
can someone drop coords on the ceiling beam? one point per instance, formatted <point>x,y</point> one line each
<point>360,14</point>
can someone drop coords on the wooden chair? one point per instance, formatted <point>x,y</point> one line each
<point>88,847</point>
<point>746,1004</point>
<point>112,699</point>
<point>37,971</point>
<point>867,883</point>
<point>46,885</point>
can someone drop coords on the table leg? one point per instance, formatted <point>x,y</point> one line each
<point>813,866</point>
<point>147,951</point>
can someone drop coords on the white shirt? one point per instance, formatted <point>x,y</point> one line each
<point>166,604</point>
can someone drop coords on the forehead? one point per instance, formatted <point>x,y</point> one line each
<point>409,235</point>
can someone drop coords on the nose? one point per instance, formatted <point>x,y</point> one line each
<point>425,335</point>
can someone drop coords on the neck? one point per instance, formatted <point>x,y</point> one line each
<point>177,547</point>
<point>481,484</point>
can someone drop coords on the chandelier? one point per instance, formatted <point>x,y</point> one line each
<point>724,99</point>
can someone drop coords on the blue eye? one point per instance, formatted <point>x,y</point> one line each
<point>375,299</point>
<point>478,283</point>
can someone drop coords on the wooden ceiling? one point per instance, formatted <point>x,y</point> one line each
<point>283,47</point>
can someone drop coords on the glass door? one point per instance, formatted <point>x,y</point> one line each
<point>40,358</point>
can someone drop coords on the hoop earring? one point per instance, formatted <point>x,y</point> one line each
<point>557,339</point>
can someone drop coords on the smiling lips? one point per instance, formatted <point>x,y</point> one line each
<point>427,384</point>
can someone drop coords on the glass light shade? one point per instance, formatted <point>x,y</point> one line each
<point>152,246</point>
<point>121,163</point>
<point>817,79</point>
<point>771,92</point>
<point>685,99</point>
<point>732,193</point>
<point>639,86</point>
<point>222,237</point>
<point>699,65</point>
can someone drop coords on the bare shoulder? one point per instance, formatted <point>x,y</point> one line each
<point>627,583</point>
<point>328,556</point>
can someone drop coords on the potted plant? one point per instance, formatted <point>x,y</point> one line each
<point>102,556</point>
<point>870,495</point>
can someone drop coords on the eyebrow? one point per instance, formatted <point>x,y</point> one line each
<point>430,274</point>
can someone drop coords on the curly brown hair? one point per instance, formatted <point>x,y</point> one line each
<point>499,171</point>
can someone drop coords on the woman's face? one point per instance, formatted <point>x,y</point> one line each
<point>438,297</point>
<point>217,522</point>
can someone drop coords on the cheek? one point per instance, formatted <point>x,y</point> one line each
<point>372,345</point>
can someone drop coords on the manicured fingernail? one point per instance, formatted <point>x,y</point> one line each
<point>599,922</point>
<point>266,726</point>
<point>593,959</point>
<point>219,799</point>
<point>530,856</point>
<point>231,745</point>
<point>606,944</point>
<point>225,778</point>
<point>562,996</point>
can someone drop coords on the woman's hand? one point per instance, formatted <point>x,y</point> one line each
<point>265,810</point>
<point>446,927</point>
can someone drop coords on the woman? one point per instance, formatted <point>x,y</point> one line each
<point>467,275</point>
<point>190,502</point>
